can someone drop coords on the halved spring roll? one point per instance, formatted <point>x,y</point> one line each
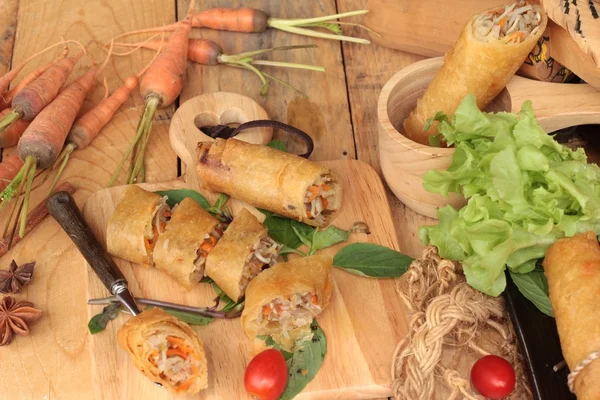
<point>490,50</point>
<point>267,178</point>
<point>283,300</point>
<point>189,237</point>
<point>166,350</point>
<point>242,253</point>
<point>137,222</point>
<point>572,266</point>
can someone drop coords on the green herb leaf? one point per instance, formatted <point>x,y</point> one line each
<point>98,322</point>
<point>175,196</point>
<point>206,279</point>
<point>278,144</point>
<point>304,232</point>
<point>534,286</point>
<point>435,140</point>
<point>221,200</point>
<point>281,230</point>
<point>304,363</point>
<point>328,237</point>
<point>188,317</point>
<point>372,260</point>
<point>223,298</point>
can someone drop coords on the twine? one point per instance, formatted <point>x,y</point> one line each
<point>445,311</point>
<point>575,373</point>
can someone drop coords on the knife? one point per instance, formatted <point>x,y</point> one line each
<point>63,209</point>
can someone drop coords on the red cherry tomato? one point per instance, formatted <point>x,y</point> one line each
<point>266,375</point>
<point>493,377</point>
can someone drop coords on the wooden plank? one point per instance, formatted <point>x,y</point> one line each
<point>8,24</point>
<point>54,360</point>
<point>363,323</point>
<point>325,115</point>
<point>367,69</point>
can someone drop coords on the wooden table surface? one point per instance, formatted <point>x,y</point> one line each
<point>340,115</point>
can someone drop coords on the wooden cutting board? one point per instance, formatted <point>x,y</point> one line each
<point>363,323</point>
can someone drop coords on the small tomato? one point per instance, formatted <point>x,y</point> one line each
<point>266,375</point>
<point>493,377</point>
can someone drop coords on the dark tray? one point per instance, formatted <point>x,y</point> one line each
<point>540,346</point>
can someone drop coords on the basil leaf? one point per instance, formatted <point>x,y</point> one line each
<point>534,286</point>
<point>280,229</point>
<point>286,250</point>
<point>98,322</point>
<point>175,196</point>
<point>304,232</point>
<point>206,279</point>
<point>229,303</point>
<point>328,237</point>
<point>304,363</point>
<point>372,260</point>
<point>190,318</point>
<point>221,200</point>
<point>278,144</point>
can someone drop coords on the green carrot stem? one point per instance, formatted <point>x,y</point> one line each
<point>12,211</point>
<point>30,174</point>
<point>263,51</point>
<point>146,128</point>
<point>277,22</point>
<point>64,156</point>
<point>9,119</point>
<point>265,86</point>
<point>288,65</point>
<point>322,35</point>
<point>284,83</point>
<point>143,126</point>
<point>7,194</point>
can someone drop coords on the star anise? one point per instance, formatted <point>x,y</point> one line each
<point>15,318</point>
<point>13,279</point>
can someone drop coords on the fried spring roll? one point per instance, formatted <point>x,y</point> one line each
<point>267,178</point>
<point>242,253</point>
<point>572,267</point>
<point>283,300</point>
<point>191,234</point>
<point>489,51</point>
<point>166,350</point>
<point>136,224</point>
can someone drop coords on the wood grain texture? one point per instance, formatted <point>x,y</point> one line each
<point>325,115</point>
<point>8,25</point>
<point>53,361</point>
<point>363,322</point>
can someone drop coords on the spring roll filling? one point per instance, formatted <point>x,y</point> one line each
<point>177,362</point>
<point>513,23</point>
<point>316,199</point>
<point>263,255</point>
<point>161,215</point>
<point>284,315</point>
<point>210,241</point>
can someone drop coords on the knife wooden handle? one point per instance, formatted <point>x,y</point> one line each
<point>64,210</point>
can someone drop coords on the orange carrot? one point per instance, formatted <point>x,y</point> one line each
<point>9,168</point>
<point>7,78</point>
<point>249,20</point>
<point>7,98</point>
<point>32,99</point>
<point>159,87</point>
<point>12,134</point>
<point>207,52</point>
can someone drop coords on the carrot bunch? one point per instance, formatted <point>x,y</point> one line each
<point>250,20</point>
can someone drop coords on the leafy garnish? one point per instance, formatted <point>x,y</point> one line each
<point>278,144</point>
<point>175,196</point>
<point>372,260</point>
<point>524,191</point>
<point>534,286</point>
<point>190,318</point>
<point>304,363</point>
<point>99,321</point>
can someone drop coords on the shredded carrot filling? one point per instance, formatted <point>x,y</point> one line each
<point>314,299</point>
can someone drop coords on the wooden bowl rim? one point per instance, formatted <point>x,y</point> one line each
<point>382,110</point>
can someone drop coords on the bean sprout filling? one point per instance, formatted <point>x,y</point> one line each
<point>210,241</point>
<point>512,23</point>
<point>316,199</point>
<point>298,311</point>
<point>159,223</point>
<point>263,255</point>
<point>176,361</point>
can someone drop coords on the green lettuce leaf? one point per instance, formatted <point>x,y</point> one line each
<point>524,191</point>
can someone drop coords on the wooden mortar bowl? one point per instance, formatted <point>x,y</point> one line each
<point>404,162</point>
